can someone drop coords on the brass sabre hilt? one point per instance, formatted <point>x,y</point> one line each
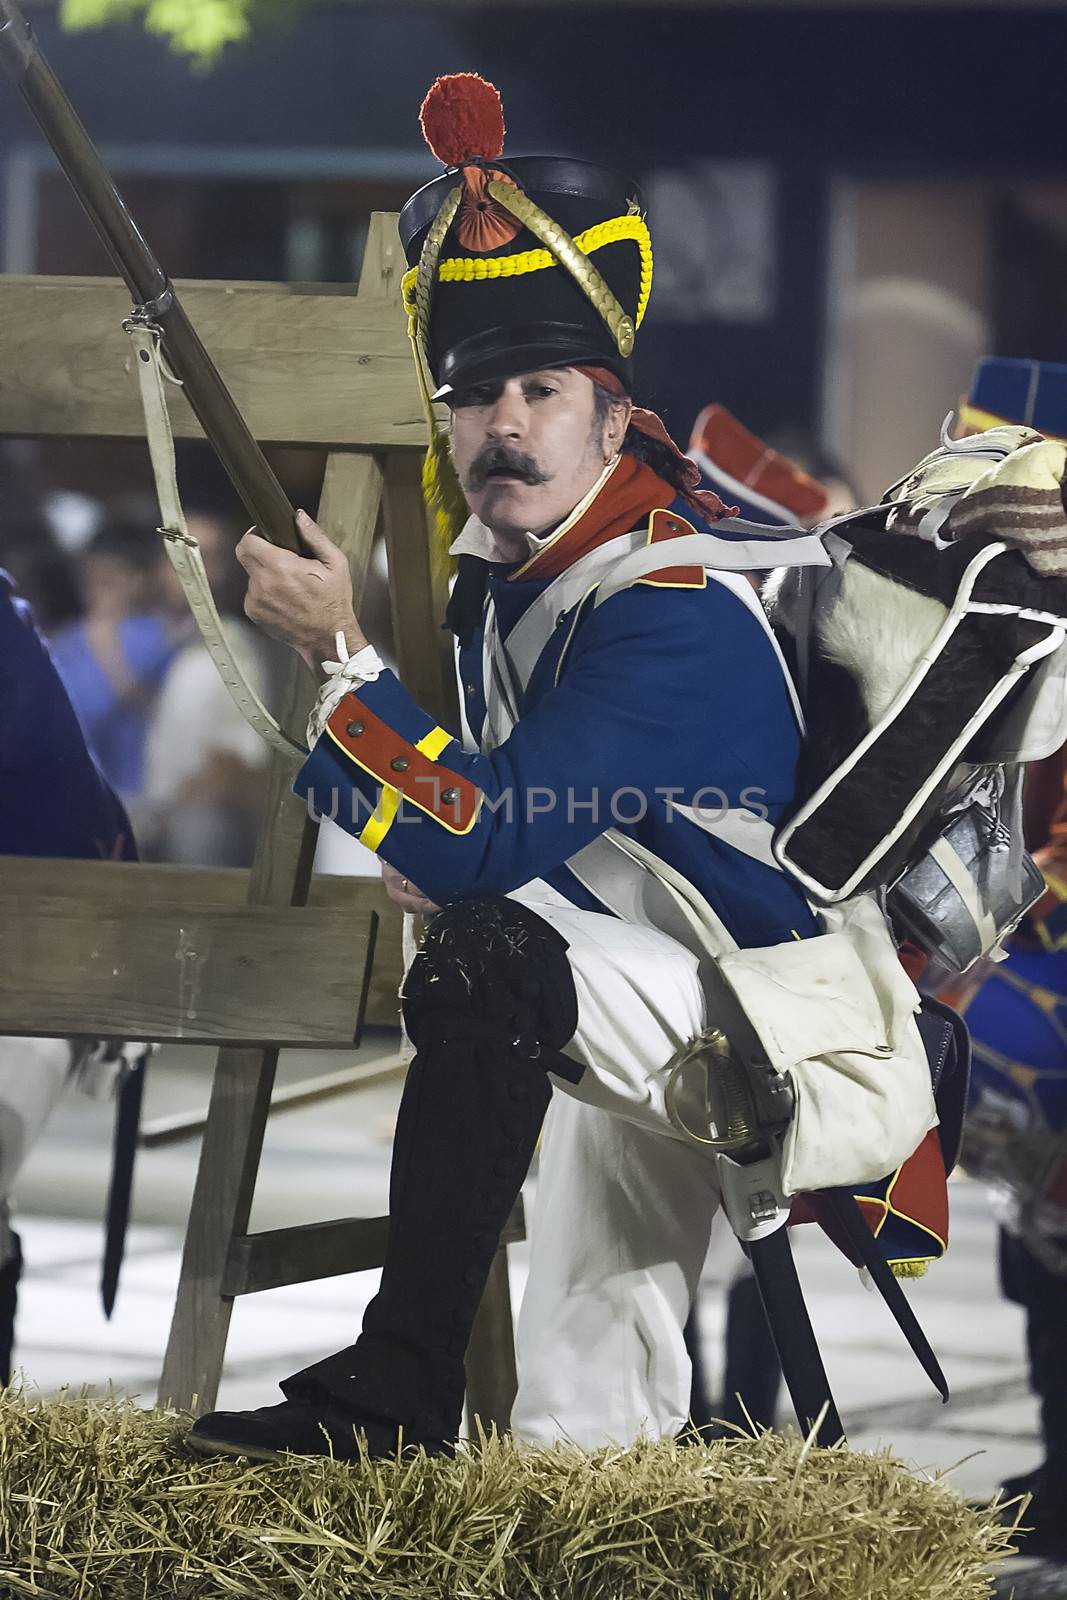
<point>747,1103</point>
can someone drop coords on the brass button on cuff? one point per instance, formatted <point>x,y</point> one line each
<point>400,763</point>
<point>354,729</point>
<point>449,797</point>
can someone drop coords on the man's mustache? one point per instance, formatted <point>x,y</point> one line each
<point>503,458</point>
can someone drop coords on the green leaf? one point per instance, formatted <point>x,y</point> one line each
<point>200,29</point>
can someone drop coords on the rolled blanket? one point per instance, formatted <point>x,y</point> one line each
<point>921,500</point>
<point>1020,500</point>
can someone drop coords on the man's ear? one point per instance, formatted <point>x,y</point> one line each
<point>617,423</point>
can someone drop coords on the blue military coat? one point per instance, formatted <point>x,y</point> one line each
<point>670,695</point>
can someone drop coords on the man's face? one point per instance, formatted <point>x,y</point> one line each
<point>527,449</point>
<point>114,588</point>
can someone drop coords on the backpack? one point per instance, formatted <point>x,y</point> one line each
<point>930,663</point>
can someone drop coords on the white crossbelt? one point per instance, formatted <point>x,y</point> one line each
<point>182,548</point>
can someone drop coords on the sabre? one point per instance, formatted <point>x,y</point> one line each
<point>748,1108</point>
<point>156,303</point>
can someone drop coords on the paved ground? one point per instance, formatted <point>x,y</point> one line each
<point>332,1160</point>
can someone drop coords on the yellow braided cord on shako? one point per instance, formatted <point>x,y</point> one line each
<point>444,500</point>
<point>440,486</point>
<point>475,269</point>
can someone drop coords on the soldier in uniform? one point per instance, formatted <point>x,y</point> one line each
<point>54,802</point>
<point>1016,1134</point>
<point>627,710</point>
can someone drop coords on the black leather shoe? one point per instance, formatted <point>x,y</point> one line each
<point>291,1428</point>
<point>1025,1483</point>
<point>1044,1522</point>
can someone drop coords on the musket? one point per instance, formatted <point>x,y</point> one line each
<point>155,300</point>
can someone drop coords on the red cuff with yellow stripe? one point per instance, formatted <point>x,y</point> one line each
<point>405,770</point>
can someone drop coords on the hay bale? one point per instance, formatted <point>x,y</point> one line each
<point>100,1500</point>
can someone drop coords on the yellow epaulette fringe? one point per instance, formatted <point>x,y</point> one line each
<point>909,1269</point>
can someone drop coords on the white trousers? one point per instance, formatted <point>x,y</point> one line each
<point>33,1073</point>
<point>624,1206</point>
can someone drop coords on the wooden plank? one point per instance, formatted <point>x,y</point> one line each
<point>31,888</point>
<point>329,370</point>
<point>283,1256</point>
<point>241,1088</point>
<point>292,976</point>
<point>384,262</point>
<point>492,1377</point>
<point>272,1260</point>
<point>418,593</point>
<point>32,882</point>
<point>353,506</point>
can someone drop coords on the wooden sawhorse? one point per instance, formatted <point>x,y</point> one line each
<point>275,957</point>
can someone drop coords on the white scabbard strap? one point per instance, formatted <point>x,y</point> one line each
<point>182,548</point>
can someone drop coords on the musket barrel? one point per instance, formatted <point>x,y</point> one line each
<point>247,466</point>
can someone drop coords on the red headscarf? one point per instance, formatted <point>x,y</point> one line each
<point>704,501</point>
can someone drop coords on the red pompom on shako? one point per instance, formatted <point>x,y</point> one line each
<point>463,119</point>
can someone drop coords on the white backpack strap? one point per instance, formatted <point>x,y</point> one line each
<point>501,699</point>
<point>715,555</point>
<point>182,548</point>
<point>640,887</point>
<point>508,664</point>
<point>535,627</point>
<point>742,830</point>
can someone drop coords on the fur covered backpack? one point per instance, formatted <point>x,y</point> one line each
<point>930,662</point>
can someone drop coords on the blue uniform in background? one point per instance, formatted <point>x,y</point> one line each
<point>116,725</point>
<point>54,800</point>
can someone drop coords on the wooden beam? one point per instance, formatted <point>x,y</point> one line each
<point>492,1375</point>
<point>281,874</point>
<point>272,1260</point>
<point>31,888</point>
<point>418,593</point>
<point>282,1256</point>
<point>330,370</point>
<point>293,976</point>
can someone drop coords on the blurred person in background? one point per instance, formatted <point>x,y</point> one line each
<point>780,486</point>
<point>205,767</point>
<point>54,801</point>
<point>113,661</point>
<point>841,494</point>
<point>1016,1011</point>
<point>37,565</point>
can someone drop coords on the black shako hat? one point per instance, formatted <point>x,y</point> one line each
<point>517,264</point>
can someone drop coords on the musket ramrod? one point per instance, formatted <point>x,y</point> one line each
<point>154,298</point>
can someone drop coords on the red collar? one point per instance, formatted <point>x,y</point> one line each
<point>632,492</point>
